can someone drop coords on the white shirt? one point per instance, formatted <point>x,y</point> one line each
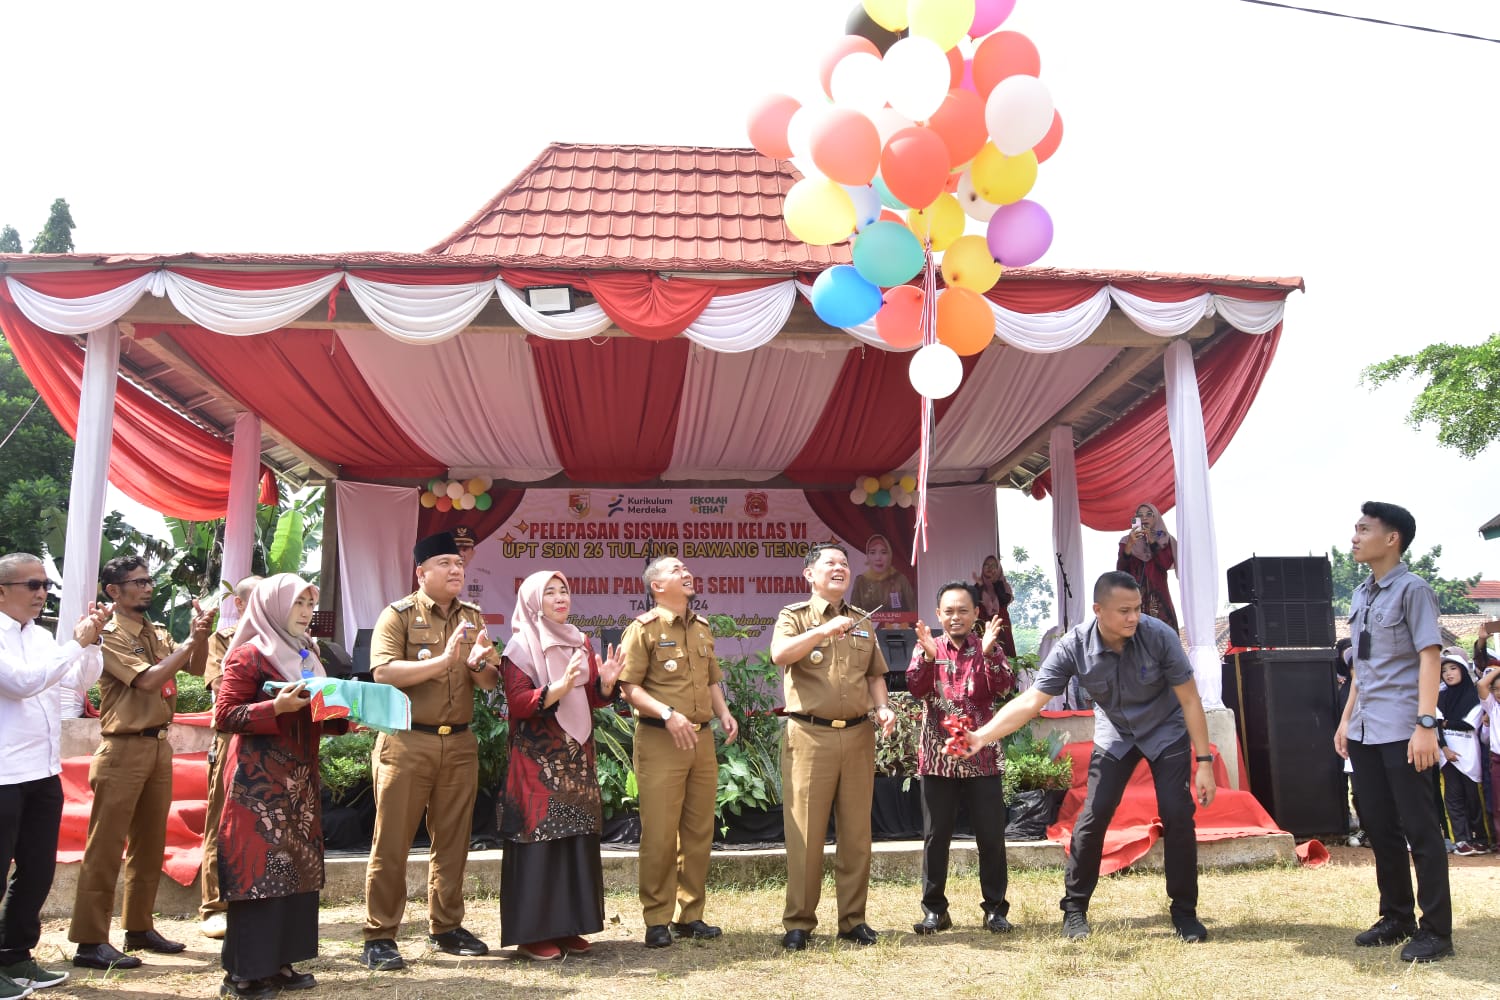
<point>34,671</point>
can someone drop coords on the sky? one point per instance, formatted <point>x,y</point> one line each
<point>1205,136</point>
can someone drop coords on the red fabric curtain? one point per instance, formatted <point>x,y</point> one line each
<point>641,303</point>
<point>305,383</point>
<point>871,421</point>
<point>1033,295</point>
<point>484,523</point>
<point>855,523</point>
<point>1131,463</point>
<point>156,457</point>
<point>79,284</point>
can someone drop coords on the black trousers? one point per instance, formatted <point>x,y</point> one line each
<point>30,814</point>
<point>1172,772</point>
<point>984,800</point>
<point>1397,809</point>
<point>1465,806</point>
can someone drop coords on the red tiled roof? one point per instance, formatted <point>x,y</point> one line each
<point>1484,590</point>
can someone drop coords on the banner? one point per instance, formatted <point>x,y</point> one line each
<point>745,548</point>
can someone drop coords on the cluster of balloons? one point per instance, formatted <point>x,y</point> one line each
<point>932,112</point>
<point>889,490</point>
<point>458,494</point>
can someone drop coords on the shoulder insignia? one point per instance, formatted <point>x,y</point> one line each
<point>647,618</point>
<point>854,612</point>
<point>798,606</point>
<point>471,606</point>
<point>111,626</point>
<point>225,631</point>
<point>405,604</point>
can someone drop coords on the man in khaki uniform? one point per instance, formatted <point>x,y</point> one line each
<point>433,646</point>
<point>671,678</point>
<point>214,909</point>
<point>131,774</point>
<point>834,676</point>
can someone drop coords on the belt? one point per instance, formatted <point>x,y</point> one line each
<point>440,730</point>
<point>662,723</point>
<point>830,723</point>
<point>154,733</point>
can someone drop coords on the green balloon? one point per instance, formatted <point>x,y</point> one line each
<point>483,502</point>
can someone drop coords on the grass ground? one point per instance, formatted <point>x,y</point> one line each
<point>1275,933</point>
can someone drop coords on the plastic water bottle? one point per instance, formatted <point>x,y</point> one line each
<point>307,671</point>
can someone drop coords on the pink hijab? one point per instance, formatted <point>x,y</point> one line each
<point>263,625</point>
<point>541,649</point>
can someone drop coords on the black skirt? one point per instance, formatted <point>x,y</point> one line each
<point>265,934</point>
<point>551,889</point>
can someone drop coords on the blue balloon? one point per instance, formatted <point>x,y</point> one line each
<point>883,498</point>
<point>886,198</point>
<point>888,254</point>
<point>842,298</point>
<point>866,204</point>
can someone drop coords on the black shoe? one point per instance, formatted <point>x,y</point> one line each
<point>697,930</point>
<point>859,934</point>
<point>1189,929</point>
<point>933,922</point>
<point>458,942</point>
<point>1427,947</point>
<point>381,955</point>
<point>1075,925</point>
<point>104,956</point>
<point>288,978</point>
<point>247,989</point>
<point>657,936</point>
<point>152,941</point>
<point>794,940</point>
<point>1385,931</point>
<point>996,923</point>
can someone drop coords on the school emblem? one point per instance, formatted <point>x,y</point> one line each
<point>578,502</point>
<point>757,503</point>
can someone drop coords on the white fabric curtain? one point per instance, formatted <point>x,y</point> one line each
<point>377,529</point>
<point>743,321</point>
<point>580,324</point>
<point>244,311</point>
<point>1045,333</point>
<point>1164,319</point>
<point>239,522</point>
<point>1067,532</point>
<point>1197,556</point>
<point>962,528</point>
<point>1249,316</point>
<point>420,314</point>
<point>77,317</point>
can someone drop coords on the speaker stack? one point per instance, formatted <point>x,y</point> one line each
<point>1290,602</point>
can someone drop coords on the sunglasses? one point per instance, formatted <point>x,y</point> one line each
<point>32,585</point>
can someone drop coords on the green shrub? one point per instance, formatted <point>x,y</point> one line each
<point>1032,763</point>
<point>344,761</point>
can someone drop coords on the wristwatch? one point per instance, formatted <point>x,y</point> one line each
<point>1206,758</point>
<point>1427,721</point>
<point>666,714</point>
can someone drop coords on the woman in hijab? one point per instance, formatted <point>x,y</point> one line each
<point>551,879</point>
<point>271,832</point>
<point>1458,708</point>
<point>1147,552</point>
<point>995,595</point>
<point>881,585</point>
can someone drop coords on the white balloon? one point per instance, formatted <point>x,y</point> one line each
<point>866,204</point>
<point>916,77</point>
<point>936,371</point>
<point>905,500</point>
<point>857,495</point>
<point>799,134</point>
<point>454,489</point>
<point>889,121</point>
<point>1018,114</point>
<point>858,82</point>
<point>974,206</point>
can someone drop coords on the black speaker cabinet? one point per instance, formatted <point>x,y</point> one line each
<point>1285,704</point>
<point>1282,624</point>
<point>898,645</point>
<point>361,654</point>
<point>1280,578</point>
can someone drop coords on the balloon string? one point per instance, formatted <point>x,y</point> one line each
<point>924,446</point>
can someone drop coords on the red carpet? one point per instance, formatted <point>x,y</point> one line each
<point>184,822</point>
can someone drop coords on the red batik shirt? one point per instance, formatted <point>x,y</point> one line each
<point>963,680</point>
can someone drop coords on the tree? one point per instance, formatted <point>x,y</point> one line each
<point>1462,383</point>
<point>1031,606</point>
<point>1451,593</point>
<point>57,234</point>
<point>10,240</point>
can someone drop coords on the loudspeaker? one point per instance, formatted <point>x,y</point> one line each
<point>362,654</point>
<point>1286,705</point>
<point>898,645</point>
<point>1282,623</point>
<point>1279,578</point>
<point>608,636</point>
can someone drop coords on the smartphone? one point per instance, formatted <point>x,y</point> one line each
<point>1135,524</point>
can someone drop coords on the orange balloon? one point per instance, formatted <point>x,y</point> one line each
<point>955,67</point>
<point>768,121</point>
<point>915,165</point>
<point>1050,141</point>
<point>959,122</point>
<point>964,321</point>
<point>899,321</point>
<point>845,146</point>
<point>1003,54</point>
<point>889,215</point>
<point>847,45</point>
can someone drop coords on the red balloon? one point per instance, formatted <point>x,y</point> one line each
<point>1050,141</point>
<point>886,215</point>
<point>444,503</point>
<point>899,321</point>
<point>915,166</point>
<point>1003,54</point>
<point>768,121</point>
<point>843,47</point>
<point>956,64</point>
<point>959,122</point>
<point>964,321</point>
<point>846,146</point>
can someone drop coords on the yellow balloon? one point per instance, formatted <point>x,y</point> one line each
<point>475,486</point>
<point>429,499</point>
<point>968,264</point>
<point>908,483</point>
<point>891,14</point>
<point>943,21</point>
<point>1001,179</point>
<point>871,484</point>
<point>819,212</point>
<point>942,222</point>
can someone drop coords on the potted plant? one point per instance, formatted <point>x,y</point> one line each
<point>748,807</point>
<point>896,808</point>
<point>1036,779</point>
<point>614,742</point>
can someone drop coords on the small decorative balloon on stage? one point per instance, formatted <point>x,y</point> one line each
<point>458,494</point>
<point>894,489</point>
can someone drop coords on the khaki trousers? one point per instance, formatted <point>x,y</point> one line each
<point>131,777</point>
<point>416,772</point>
<point>826,770</point>
<point>677,789</point>
<point>209,871</point>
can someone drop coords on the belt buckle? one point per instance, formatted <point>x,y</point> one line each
<point>161,733</point>
<point>838,723</point>
<point>444,730</point>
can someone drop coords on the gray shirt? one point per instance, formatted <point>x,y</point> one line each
<point>1400,613</point>
<point>1134,705</point>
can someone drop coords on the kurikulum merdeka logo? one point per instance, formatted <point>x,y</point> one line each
<point>578,502</point>
<point>757,503</point>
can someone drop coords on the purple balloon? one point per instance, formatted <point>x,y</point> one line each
<point>1019,234</point>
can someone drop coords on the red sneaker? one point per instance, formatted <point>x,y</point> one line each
<point>540,951</point>
<point>574,945</point>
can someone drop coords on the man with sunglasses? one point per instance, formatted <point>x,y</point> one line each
<point>1389,734</point>
<point>131,773</point>
<point>34,670</point>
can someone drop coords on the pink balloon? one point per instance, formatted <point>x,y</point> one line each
<point>1019,234</point>
<point>915,166</point>
<point>768,121</point>
<point>845,146</point>
<point>988,15</point>
<point>1050,141</point>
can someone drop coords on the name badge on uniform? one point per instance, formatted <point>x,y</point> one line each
<point>139,651</point>
<point>664,642</point>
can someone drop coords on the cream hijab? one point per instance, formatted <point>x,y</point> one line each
<point>263,625</point>
<point>541,649</point>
